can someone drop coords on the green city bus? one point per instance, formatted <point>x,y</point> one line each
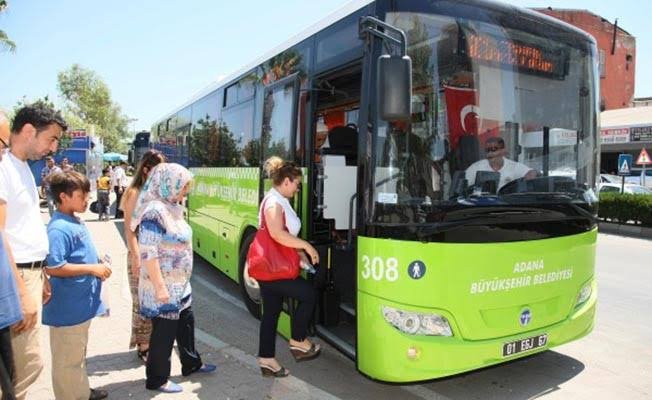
<point>432,264</point>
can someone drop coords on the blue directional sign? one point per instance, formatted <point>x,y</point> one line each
<point>625,164</point>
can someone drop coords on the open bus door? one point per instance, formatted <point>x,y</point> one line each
<point>335,184</point>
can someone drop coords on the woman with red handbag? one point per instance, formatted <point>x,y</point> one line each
<point>273,260</point>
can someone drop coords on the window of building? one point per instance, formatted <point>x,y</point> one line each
<point>603,61</point>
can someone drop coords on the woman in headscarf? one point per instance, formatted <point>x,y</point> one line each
<point>165,244</point>
<point>141,328</point>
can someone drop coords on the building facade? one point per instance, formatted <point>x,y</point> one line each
<point>617,52</point>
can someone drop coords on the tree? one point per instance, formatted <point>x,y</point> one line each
<point>5,42</point>
<point>87,97</point>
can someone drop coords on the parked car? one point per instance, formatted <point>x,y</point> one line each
<point>637,177</point>
<point>608,178</point>
<point>630,188</point>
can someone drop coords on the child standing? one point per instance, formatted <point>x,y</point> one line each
<point>103,190</point>
<point>76,276</point>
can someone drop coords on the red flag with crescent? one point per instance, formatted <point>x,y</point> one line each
<point>462,113</point>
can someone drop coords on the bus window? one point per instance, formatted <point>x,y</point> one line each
<point>204,144</point>
<point>237,148</point>
<point>487,128</point>
<point>277,120</point>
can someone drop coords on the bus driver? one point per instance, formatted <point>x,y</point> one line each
<point>496,162</point>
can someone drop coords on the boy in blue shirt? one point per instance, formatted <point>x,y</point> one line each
<point>76,275</point>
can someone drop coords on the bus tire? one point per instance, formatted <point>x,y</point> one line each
<point>252,304</point>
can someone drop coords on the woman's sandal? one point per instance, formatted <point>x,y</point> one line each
<point>269,372</point>
<point>142,354</point>
<point>301,354</point>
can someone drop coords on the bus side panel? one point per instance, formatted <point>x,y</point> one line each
<point>223,203</point>
<point>205,237</point>
<point>489,293</point>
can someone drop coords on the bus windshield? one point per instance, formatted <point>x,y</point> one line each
<point>503,123</point>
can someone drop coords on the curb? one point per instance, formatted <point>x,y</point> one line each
<point>634,231</point>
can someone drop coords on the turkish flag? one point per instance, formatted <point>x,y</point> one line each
<point>462,113</point>
<point>465,116</point>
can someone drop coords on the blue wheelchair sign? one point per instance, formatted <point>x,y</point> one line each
<point>625,164</point>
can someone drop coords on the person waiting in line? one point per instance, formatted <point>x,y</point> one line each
<point>165,245</point>
<point>35,132</point>
<point>10,302</point>
<point>103,193</point>
<point>497,162</point>
<point>11,315</point>
<point>76,275</point>
<point>49,169</point>
<point>284,225</point>
<point>141,328</point>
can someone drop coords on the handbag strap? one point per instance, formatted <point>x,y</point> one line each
<point>262,214</point>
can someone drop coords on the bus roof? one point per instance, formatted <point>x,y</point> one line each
<point>335,16</point>
<point>341,13</point>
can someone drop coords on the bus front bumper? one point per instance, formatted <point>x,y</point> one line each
<point>384,353</point>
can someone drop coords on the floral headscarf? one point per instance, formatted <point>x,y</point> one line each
<point>163,185</point>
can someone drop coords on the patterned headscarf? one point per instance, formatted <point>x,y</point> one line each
<point>163,185</point>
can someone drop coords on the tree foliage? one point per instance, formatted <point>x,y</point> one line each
<point>5,42</point>
<point>88,98</point>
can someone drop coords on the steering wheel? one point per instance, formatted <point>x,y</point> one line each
<point>519,185</point>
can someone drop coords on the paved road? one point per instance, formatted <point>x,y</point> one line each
<point>615,361</point>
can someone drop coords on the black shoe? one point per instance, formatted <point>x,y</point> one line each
<point>269,372</point>
<point>98,394</point>
<point>301,354</point>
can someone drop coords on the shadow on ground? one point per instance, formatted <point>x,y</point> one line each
<point>525,378</point>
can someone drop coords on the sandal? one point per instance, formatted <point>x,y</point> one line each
<point>301,354</point>
<point>269,372</point>
<point>142,354</point>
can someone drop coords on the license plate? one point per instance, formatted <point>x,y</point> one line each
<point>519,346</point>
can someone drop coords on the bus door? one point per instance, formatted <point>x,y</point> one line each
<point>334,166</point>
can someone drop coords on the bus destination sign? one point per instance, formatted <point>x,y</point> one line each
<point>525,57</point>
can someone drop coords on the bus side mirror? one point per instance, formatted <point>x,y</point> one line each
<point>394,87</point>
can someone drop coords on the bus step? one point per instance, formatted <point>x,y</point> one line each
<point>347,308</point>
<point>346,348</point>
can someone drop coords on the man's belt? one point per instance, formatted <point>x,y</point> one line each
<point>33,264</point>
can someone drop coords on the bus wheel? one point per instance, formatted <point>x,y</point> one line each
<point>250,293</point>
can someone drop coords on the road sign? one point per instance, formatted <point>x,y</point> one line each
<point>624,164</point>
<point>643,158</point>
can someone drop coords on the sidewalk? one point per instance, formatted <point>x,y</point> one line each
<point>114,367</point>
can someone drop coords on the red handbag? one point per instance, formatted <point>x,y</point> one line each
<point>269,260</point>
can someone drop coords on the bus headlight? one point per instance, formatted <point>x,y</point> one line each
<point>414,323</point>
<point>584,293</point>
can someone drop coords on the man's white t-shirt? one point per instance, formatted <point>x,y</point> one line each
<point>119,177</point>
<point>510,171</point>
<point>26,232</point>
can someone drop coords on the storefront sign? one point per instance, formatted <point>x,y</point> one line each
<point>641,134</point>
<point>611,136</point>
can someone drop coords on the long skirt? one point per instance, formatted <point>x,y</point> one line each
<point>141,327</point>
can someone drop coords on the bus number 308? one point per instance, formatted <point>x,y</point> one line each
<point>378,269</point>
